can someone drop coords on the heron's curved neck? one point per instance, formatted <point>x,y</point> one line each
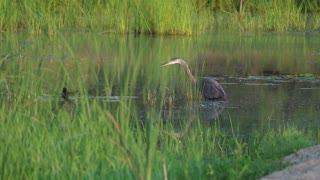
<point>188,71</point>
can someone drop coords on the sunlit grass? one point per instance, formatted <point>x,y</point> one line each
<point>184,17</point>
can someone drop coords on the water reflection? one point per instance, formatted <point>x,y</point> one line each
<point>286,102</point>
<point>184,115</point>
<point>250,66</point>
<point>49,97</point>
<point>253,104</point>
<point>203,110</point>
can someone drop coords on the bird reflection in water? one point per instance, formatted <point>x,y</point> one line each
<point>184,116</point>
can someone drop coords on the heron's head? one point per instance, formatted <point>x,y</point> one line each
<point>174,60</point>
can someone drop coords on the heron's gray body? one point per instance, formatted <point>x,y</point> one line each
<point>210,88</point>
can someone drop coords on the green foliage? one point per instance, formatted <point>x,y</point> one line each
<point>159,17</point>
<point>308,6</point>
<point>140,16</point>
<point>101,139</point>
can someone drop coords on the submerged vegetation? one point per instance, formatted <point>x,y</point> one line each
<point>160,17</point>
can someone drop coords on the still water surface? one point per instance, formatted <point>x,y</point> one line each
<point>257,70</point>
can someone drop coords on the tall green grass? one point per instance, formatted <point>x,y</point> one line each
<point>155,17</point>
<point>125,139</point>
<point>116,146</point>
<point>112,16</point>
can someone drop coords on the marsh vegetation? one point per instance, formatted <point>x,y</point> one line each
<point>130,118</point>
<point>154,17</point>
<point>127,117</point>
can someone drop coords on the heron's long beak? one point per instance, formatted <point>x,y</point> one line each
<point>165,64</point>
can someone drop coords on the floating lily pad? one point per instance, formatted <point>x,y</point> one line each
<point>310,88</point>
<point>283,79</point>
<point>307,75</point>
<point>266,78</point>
<point>261,84</point>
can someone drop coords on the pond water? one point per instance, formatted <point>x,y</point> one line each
<point>270,78</point>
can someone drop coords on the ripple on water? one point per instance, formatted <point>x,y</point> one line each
<point>48,97</point>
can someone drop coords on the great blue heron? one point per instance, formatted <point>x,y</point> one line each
<point>210,88</point>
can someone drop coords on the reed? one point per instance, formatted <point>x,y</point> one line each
<point>108,140</point>
<point>123,139</point>
<point>154,17</point>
